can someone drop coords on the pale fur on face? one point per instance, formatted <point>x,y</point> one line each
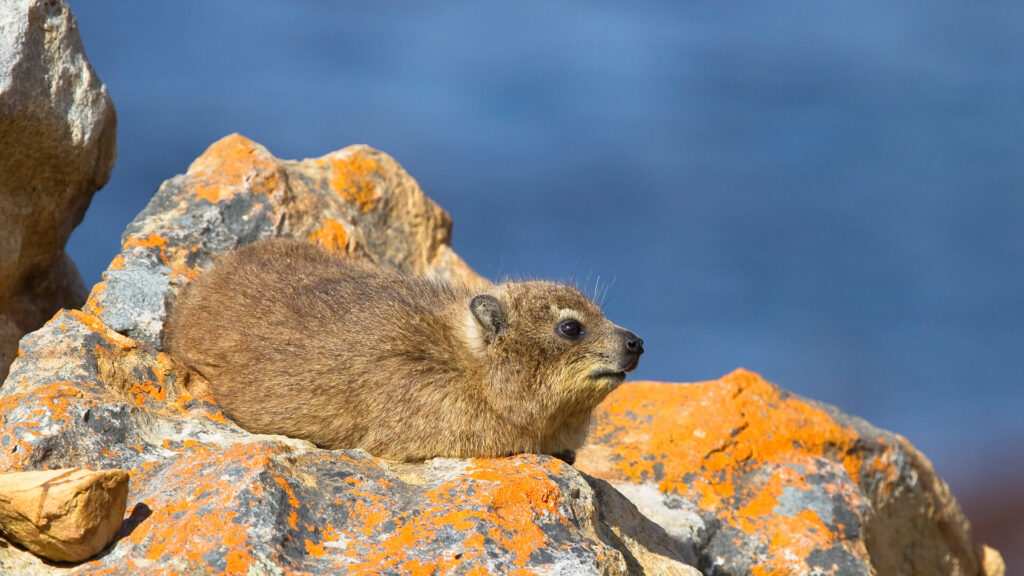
<point>567,314</point>
<point>472,333</point>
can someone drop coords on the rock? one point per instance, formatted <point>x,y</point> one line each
<point>63,515</point>
<point>992,562</point>
<point>769,483</point>
<point>57,147</point>
<point>733,476</point>
<point>208,496</point>
<point>355,200</point>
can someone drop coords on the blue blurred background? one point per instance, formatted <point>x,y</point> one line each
<point>831,194</point>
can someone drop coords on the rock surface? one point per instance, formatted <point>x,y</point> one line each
<point>733,476</point>
<point>57,147</point>
<point>67,515</point>
<point>769,483</point>
<point>209,497</point>
<point>355,200</point>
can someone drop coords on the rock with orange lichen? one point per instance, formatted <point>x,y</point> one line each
<point>91,388</point>
<point>57,147</point>
<point>733,476</point>
<point>775,484</point>
<point>207,497</point>
<point>356,200</point>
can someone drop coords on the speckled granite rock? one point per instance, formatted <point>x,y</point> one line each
<point>207,497</point>
<point>774,484</point>
<point>57,147</point>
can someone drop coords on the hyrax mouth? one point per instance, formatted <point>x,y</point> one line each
<point>608,374</point>
<point>613,374</point>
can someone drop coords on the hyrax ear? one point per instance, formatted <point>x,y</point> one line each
<point>490,315</point>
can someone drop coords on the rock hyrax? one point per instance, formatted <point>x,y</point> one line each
<point>347,354</point>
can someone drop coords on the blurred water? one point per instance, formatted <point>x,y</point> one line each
<point>827,193</point>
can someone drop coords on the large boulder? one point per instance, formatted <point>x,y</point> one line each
<point>777,484</point>
<point>57,147</point>
<point>356,200</point>
<point>92,388</point>
<point>732,477</point>
<point>207,496</point>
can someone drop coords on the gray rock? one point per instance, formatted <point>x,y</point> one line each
<point>57,147</point>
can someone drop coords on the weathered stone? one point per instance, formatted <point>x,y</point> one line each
<point>63,515</point>
<point>992,562</point>
<point>355,200</point>
<point>769,483</point>
<point>57,147</point>
<point>648,545</point>
<point>734,476</point>
<point>208,496</point>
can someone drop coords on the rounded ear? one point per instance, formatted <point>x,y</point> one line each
<point>490,315</point>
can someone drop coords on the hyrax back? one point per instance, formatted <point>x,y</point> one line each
<point>346,354</point>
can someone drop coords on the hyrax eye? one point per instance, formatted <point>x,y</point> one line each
<point>570,329</point>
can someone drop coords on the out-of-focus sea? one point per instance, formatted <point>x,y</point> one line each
<point>831,194</point>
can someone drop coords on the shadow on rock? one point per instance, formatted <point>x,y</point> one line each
<point>647,547</point>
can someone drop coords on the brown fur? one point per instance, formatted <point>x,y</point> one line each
<point>298,342</point>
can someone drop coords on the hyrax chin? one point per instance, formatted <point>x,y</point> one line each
<point>346,354</point>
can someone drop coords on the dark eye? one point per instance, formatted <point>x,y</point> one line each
<point>570,329</point>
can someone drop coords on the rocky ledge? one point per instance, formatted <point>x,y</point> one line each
<point>733,476</point>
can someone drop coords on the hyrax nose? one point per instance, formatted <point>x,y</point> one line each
<point>634,344</point>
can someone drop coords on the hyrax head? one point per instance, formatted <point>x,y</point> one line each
<point>548,345</point>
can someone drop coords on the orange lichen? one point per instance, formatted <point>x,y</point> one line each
<point>175,258</point>
<point>117,263</point>
<point>180,266</point>
<point>292,500</point>
<point>712,427</point>
<point>704,440</point>
<point>314,550</point>
<point>331,236</point>
<point>96,325</point>
<point>126,565</point>
<point>230,165</point>
<point>49,401</point>
<point>501,503</point>
<point>150,241</point>
<point>92,303</point>
<point>190,518</point>
<point>148,390</point>
<point>329,533</point>
<point>91,321</point>
<point>218,417</point>
<point>369,516</point>
<point>517,503</point>
<point>161,367</point>
<point>352,176</point>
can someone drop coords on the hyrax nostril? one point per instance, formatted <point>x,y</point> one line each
<point>634,344</point>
